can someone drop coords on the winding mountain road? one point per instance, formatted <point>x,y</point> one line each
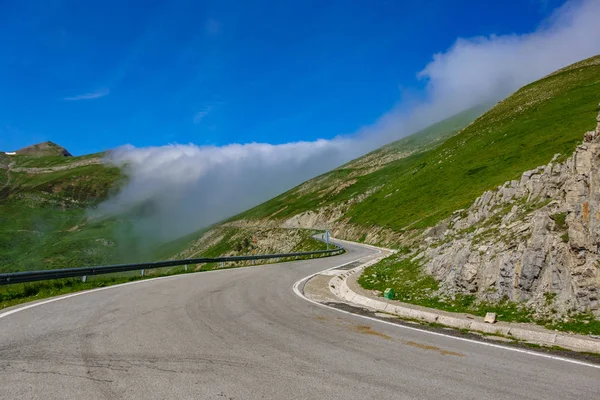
<point>244,334</point>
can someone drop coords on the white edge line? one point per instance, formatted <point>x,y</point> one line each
<point>80,293</point>
<point>68,296</point>
<point>497,346</point>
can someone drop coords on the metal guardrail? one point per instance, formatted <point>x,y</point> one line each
<point>32,276</point>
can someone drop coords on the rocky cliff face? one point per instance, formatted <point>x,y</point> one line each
<point>534,240</point>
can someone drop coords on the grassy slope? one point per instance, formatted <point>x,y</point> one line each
<point>43,224</point>
<point>308,196</point>
<point>41,212</point>
<point>429,137</point>
<point>522,132</point>
<point>239,241</point>
<point>43,221</point>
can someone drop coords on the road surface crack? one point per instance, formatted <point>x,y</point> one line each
<point>64,374</point>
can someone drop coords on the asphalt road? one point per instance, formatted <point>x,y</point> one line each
<point>244,334</point>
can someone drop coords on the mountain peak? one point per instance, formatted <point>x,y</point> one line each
<point>44,149</point>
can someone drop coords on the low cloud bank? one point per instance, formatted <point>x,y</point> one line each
<point>182,188</point>
<point>186,187</point>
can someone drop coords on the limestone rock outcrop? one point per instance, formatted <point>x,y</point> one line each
<point>534,240</point>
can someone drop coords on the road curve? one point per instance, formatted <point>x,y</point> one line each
<point>244,334</point>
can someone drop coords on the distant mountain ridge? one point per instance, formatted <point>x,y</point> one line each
<point>43,149</point>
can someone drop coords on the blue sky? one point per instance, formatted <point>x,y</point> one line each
<point>95,75</point>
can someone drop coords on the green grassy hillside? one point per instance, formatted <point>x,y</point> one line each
<point>522,132</point>
<point>339,185</point>
<point>42,211</point>
<point>44,221</point>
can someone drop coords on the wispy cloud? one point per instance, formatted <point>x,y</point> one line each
<point>89,96</point>
<point>201,114</point>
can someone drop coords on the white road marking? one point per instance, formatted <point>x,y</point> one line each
<point>52,300</point>
<point>68,296</point>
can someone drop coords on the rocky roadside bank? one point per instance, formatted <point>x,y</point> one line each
<point>535,240</point>
<point>340,286</point>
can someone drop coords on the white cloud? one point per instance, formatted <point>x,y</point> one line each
<point>475,69</point>
<point>88,96</point>
<point>190,187</point>
<point>199,116</point>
